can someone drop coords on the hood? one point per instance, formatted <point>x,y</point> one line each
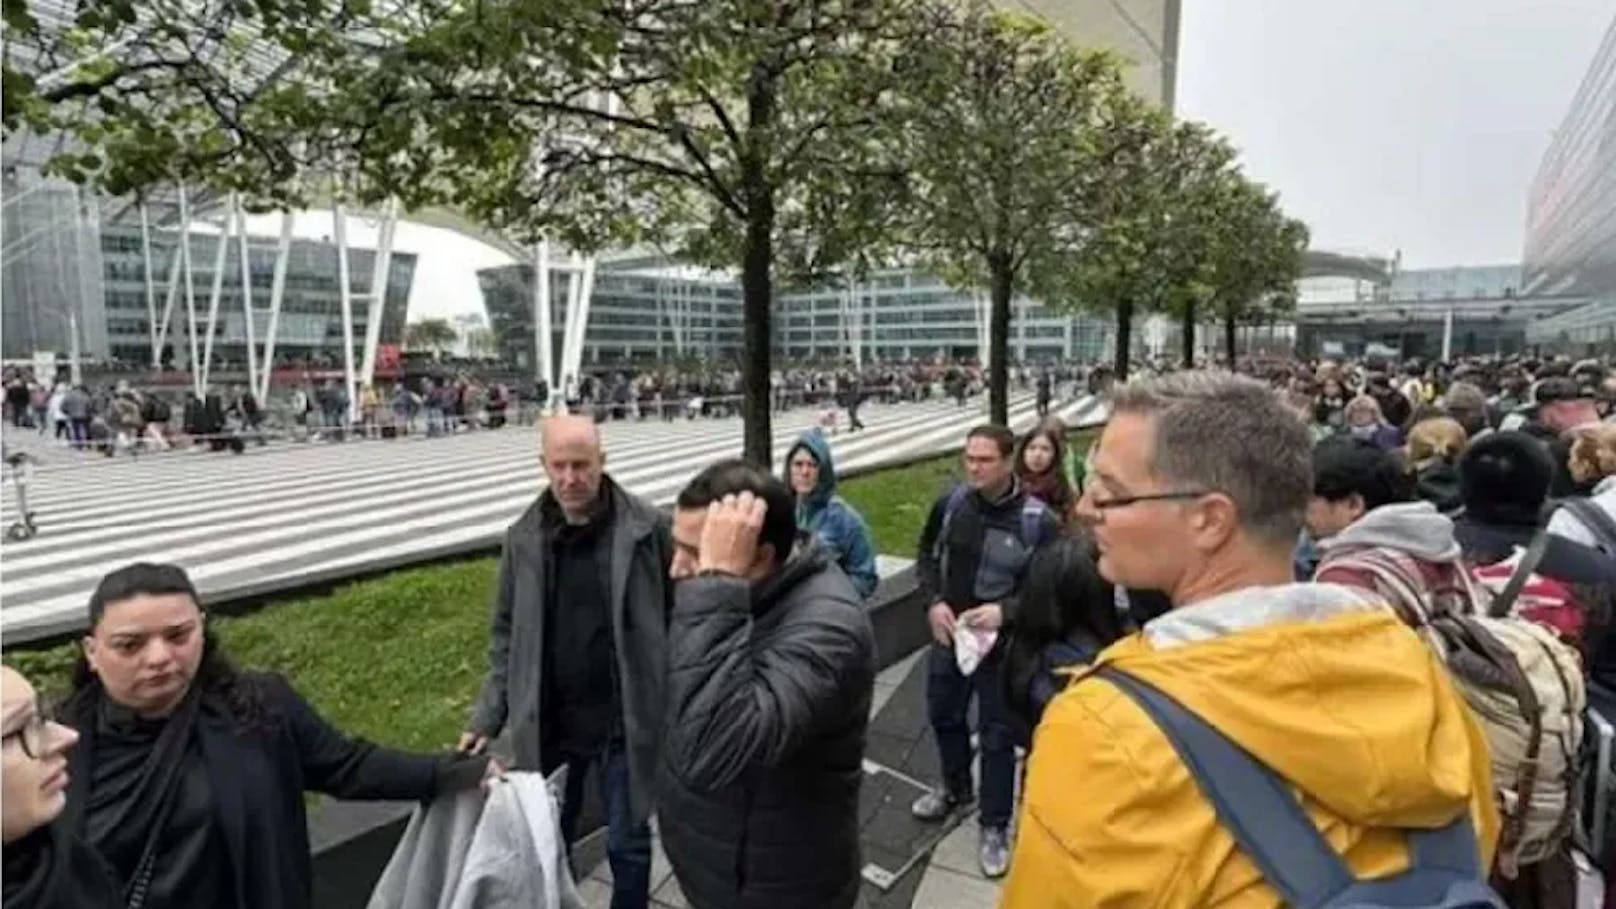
<point>1325,686</point>
<point>1416,528</point>
<point>819,447</point>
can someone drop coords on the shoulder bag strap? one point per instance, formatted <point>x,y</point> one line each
<point>1523,572</point>
<point>1253,804</point>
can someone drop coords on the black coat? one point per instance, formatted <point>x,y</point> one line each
<point>53,869</point>
<point>768,698</point>
<point>257,778</point>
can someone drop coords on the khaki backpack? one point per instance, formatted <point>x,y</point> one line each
<point>1521,680</point>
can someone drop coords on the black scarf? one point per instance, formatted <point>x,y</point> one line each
<point>51,869</point>
<point>134,781</point>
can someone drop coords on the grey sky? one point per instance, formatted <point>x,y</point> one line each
<point>1387,124</point>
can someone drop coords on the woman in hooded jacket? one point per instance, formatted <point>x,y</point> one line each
<point>825,518</point>
<point>46,866</point>
<point>1432,455</point>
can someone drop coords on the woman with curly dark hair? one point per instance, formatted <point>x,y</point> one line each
<point>189,774</point>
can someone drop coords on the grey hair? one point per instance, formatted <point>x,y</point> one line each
<point>1229,434</point>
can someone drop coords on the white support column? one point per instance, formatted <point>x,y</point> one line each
<point>568,368</point>
<point>1447,335</point>
<point>277,291</point>
<point>246,302</point>
<point>151,283</point>
<point>378,288</point>
<point>543,331</point>
<point>218,288</point>
<point>190,286</point>
<point>160,329</point>
<point>339,231</point>
<point>587,296</point>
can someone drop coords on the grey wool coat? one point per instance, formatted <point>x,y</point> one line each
<point>641,593</point>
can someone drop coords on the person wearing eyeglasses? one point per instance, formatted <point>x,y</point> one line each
<point>46,867</point>
<point>973,557</point>
<point>1199,488</point>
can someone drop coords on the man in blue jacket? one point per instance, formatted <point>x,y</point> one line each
<point>826,516</point>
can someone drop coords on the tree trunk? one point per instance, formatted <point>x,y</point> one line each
<point>1002,285</point>
<point>1228,336</point>
<point>1189,335</point>
<point>1124,338</point>
<point>757,292</point>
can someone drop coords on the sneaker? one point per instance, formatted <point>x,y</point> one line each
<point>995,853</point>
<point>940,803</point>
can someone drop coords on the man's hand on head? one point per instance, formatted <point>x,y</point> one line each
<point>729,539</point>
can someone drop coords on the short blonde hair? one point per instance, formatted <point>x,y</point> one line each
<point>1364,404</point>
<point>1436,440</point>
<point>1593,453</point>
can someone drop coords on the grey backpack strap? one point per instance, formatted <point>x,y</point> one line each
<point>1523,572</point>
<point>1266,819</point>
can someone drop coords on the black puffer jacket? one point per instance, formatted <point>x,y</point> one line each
<point>768,696</point>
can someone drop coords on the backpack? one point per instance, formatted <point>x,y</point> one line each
<point>1399,578</point>
<point>1032,516</point>
<point>1258,809</point>
<point>1521,680</point>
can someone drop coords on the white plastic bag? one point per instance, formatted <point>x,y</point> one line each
<point>971,645</point>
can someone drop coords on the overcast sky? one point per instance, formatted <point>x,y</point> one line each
<point>1384,124</point>
<point>1392,124</point>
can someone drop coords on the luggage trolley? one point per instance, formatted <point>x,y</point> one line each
<point>22,471</point>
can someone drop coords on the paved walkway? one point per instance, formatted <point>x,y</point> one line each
<point>289,514</point>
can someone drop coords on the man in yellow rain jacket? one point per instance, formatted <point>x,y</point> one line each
<point>1198,489</point>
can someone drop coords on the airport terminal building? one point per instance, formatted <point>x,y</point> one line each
<point>1571,216</point>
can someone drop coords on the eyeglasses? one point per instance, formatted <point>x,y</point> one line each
<point>1124,501</point>
<point>31,736</point>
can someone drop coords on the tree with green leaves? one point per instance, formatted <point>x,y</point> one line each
<point>214,93</point>
<point>1254,260</point>
<point>741,134</point>
<point>1120,256</point>
<point>1000,115</point>
<point>430,334</point>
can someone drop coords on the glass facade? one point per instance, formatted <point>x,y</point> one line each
<point>1571,212</point>
<point>310,324</point>
<point>76,263</point>
<point>640,315</point>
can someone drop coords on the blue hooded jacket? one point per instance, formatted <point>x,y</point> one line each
<point>831,520</point>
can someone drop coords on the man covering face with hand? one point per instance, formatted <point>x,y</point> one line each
<point>771,663</point>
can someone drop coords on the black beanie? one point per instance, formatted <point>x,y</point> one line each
<point>1504,478</point>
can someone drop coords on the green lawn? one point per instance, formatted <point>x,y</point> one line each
<point>398,659</point>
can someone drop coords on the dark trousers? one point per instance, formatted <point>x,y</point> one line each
<point>853,421</point>
<point>948,700</point>
<point>628,845</point>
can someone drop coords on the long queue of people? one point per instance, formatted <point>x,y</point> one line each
<point>1232,681</point>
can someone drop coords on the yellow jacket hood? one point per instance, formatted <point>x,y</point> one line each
<point>1316,681</point>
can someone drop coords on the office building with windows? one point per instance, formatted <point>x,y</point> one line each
<point>1571,215</point>
<point>68,263</point>
<point>644,309</point>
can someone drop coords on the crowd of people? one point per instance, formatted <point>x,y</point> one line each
<point>122,417</point>
<point>1325,616</point>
